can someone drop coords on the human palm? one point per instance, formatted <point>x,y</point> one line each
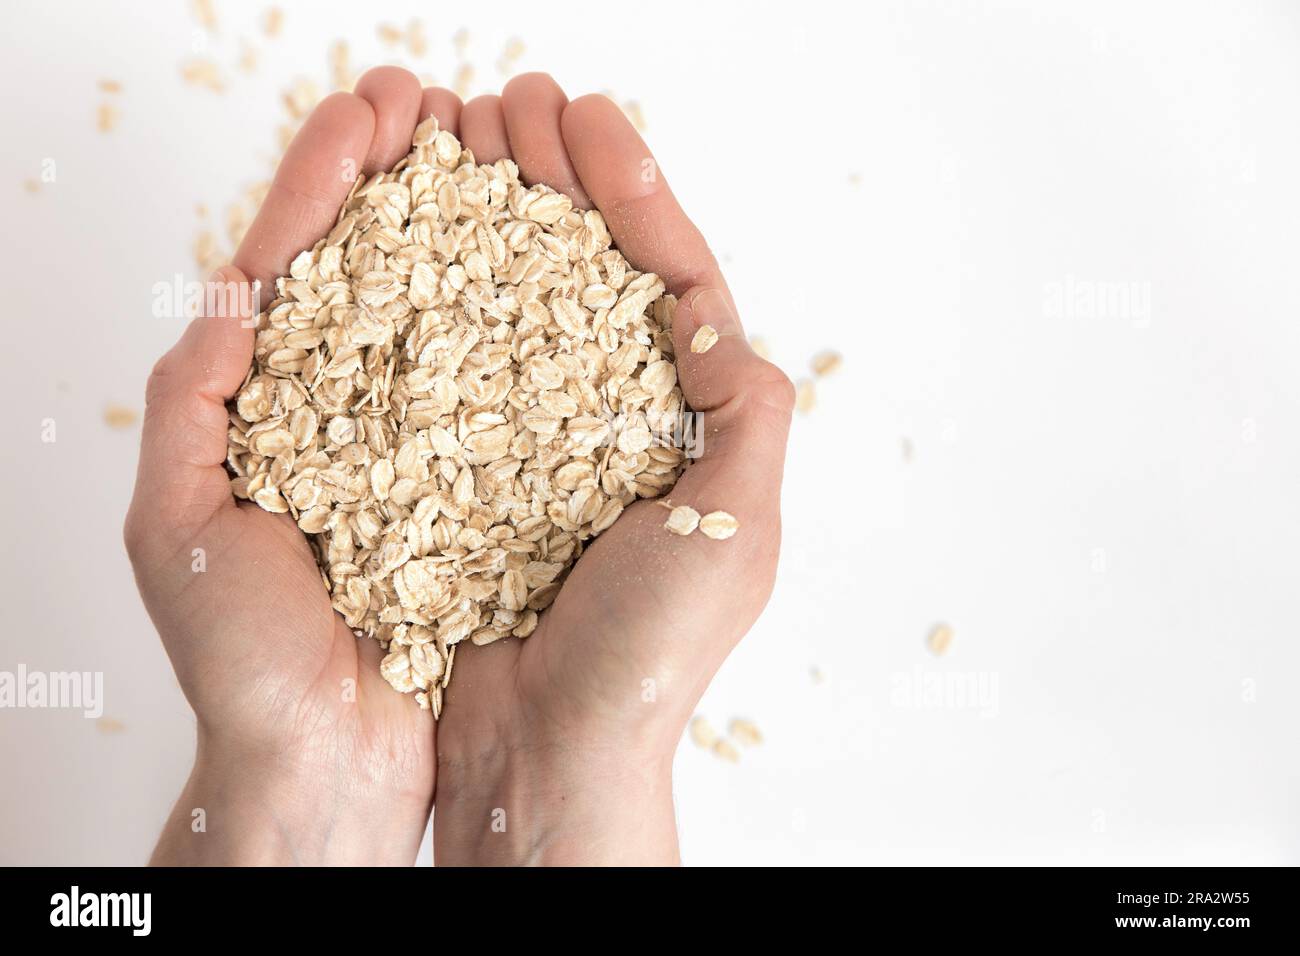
<point>641,623</point>
<point>259,650</point>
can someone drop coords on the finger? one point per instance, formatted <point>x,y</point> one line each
<point>745,404</point>
<point>181,480</point>
<point>738,447</point>
<point>533,104</point>
<point>622,179</point>
<point>445,105</point>
<point>483,129</point>
<point>730,370</point>
<point>395,96</point>
<point>313,180</point>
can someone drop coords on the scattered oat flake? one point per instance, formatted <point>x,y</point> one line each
<point>109,725</point>
<point>805,395</point>
<point>726,750</point>
<point>682,520</point>
<point>632,109</point>
<point>206,252</point>
<point>206,14</point>
<point>32,185</point>
<point>107,117</point>
<point>744,732</point>
<point>702,732</point>
<point>514,49</point>
<point>416,42</point>
<point>939,639</point>
<point>826,363</point>
<point>464,79</point>
<point>718,525</point>
<point>110,86</point>
<point>284,135</point>
<point>706,336</point>
<point>340,65</point>
<point>760,348</point>
<point>120,416</point>
<point>201,71</point>
<point>247,57</point>
<point>389,34</point>
<point>273,21</point>
<point>300,98</point>
<point>460,41</point>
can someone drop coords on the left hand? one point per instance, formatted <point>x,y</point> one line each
<point>305,754</point>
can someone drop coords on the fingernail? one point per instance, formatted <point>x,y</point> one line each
<point>713,307</point>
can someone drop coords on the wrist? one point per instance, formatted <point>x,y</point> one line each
<point>555,805</point>
<point>242,809</point>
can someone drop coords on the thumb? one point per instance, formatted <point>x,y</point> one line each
<point>744,404</point>
<point>746,401</point>
<point>181,478</point>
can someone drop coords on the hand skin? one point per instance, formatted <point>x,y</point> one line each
<point>552,750</point>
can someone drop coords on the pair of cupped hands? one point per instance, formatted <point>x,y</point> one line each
<point>553,749</point>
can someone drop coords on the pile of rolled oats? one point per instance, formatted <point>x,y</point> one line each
<point>452,392</point>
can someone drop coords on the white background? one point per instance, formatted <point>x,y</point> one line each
<point>1104,506</point>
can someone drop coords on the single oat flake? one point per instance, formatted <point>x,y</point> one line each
<point>702,732</point>
<point>120,416</point>
<point>805,396</point>
<point>273,21</point>
<point>939,639</point>
<point>206,14</point>
<point>451,394</point>
<point>632,109</point>
<point>106,118</point>
<point>719,525</point>
<point>826,363</point>
<point>416,43</point>
<point>514,49</point>
<point>726,750</point>
<point>204,72</point>
<point>706,336</point>
<point>682,520</point>
<point>744,732</point>
<point>464,80</point>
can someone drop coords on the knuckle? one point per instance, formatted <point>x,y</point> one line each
<point>134,534</point>
<point>773,388</point>
<point>159,379</point>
